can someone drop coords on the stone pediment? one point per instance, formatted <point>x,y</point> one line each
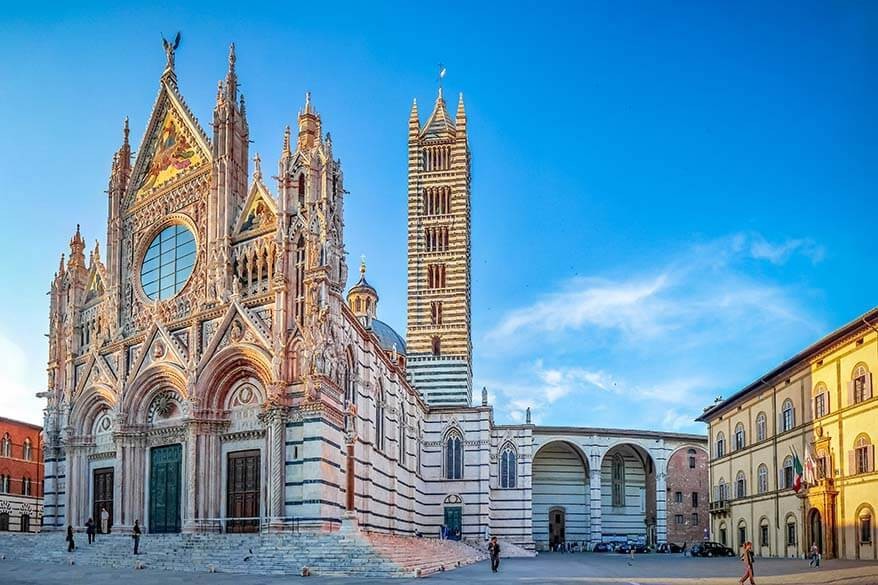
<point>239,326</point>
<point>259,213</point>
<point>96,372</point>
<point>158,347</point>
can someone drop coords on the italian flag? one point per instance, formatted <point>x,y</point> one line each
<point>798,472</point>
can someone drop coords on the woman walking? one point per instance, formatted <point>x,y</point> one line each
<point>747,557</point>
<point>70,544</point>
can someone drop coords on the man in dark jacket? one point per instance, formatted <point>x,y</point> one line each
<point>135,534</point>
<point>494,551</point>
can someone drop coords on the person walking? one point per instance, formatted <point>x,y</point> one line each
<point>90,530</point>
<point>747,558</point>
<point>105,520</point>
<point>815,556</point>
<point>135,534</point>
<point>494,552</point>
<point>70,544</point>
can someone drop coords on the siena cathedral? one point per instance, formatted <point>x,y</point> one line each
<point>209,372</point>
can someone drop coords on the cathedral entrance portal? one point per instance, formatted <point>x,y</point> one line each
<point>102,494</point>
<point>164,488</point>
<point>453,522</point>
<point>242,492</point>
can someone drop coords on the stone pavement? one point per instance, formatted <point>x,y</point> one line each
<point>548,569</point>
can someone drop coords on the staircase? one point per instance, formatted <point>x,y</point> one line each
<point>358,554</point>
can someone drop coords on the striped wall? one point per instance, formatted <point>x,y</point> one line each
<point>624,522</point>
<point>560,480</point>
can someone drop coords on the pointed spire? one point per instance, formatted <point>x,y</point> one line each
<point>77,246</point>
<point>363,266</point>
<point>286,152</point>
<point>96,252</point>
<point>413,114</point>
<point>309,124</point>
<point>257,168</point>
<point>242,107</point>
<point>461,112</point>
<point>232,76</point>
<point>61,264</point>
<point>125,132</point>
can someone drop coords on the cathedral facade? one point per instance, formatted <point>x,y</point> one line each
<point>210,373</point>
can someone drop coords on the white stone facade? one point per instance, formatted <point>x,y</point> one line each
<point>240,390</point>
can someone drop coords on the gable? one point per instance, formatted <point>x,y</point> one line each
<point>173,148</point>
<point>259,213</point>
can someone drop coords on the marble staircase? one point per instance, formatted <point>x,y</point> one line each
<point>355,553</point>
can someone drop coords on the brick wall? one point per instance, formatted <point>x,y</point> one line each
<point>16,466</point>
<point>683,482</point>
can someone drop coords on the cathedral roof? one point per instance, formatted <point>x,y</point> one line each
<point>387,337</point>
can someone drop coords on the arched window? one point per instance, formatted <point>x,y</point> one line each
<point>788,416</point>
<point>26,450</point>
<point>864,525</point>
<point>299,310</point>
<point>402,430</point>
<point>722,490</point>
<point>863,455</point>
<point>763,531</point>
<point>436,345</point>
<point>742,532</point>
<point>453,456</point>
<point>379,418</point>
<point>762,479</point>
<point>820,401</point>
<point>24,525</point>
<point>6,446</point>
<point>4,484</point>
<point>508,468</point>
<point>860,386</point>
<point>618,475</point>
<point>302,191</point>
<point>786,473</point>
<point>720,444</point>
<point>791,534</point>
<point>739,436</point>
<point>761,427</point>
<point>740,485</point>
<point>25,486</point>
<point>691,453</point>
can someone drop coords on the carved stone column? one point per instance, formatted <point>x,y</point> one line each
<point>661,503</point>
<point>193,457</point>
<point>275,418</point>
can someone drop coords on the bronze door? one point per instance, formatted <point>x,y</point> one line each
<point>242,492</point>
<point>102,489</point>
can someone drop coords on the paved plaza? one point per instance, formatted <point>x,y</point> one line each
<point>579,569</point>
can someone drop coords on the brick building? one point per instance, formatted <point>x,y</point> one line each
<point>687,495</point>
<point>21,476</point>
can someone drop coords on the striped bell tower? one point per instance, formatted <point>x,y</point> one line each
<point>439,346</point>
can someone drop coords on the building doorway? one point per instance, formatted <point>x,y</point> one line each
<point>102,490</point>
<point>242,492</point>
<point>816,531</point>
<point>453,523</point>
<point>164,488</point>
<point>557,521</point>
<point>25,523</point>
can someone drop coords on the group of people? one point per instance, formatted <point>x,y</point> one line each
<point>570,547</point>
<point>92,529</point>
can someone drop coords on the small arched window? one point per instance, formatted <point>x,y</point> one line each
<point>6,446</point>
<point>786,473</point>
<point>618,475</point>
<point>863,455</point>
<point>453,456</point>
<point>864,525</point>
<point>691,454</point>
<point>25,486</point>
<point>299,308</point>
<point>26,450</point>
<point>742,532</point>
<point>402,437</point>
<point>720,444</point>
<point>301,191</point>
<point>508,467</point>
<point>761,427</point>
<point>820,401</point>
<point>762,479</point>
<point>4,484</point>
<point>722,490</point>
<point>763,531</point>
<point>436,345</point>
<point>739,436</point>
<point>740,485</point>
<point>860,386</point>
<point>788,416</point>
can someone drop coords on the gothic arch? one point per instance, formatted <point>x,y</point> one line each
<point>88,407</point>
<point>229,366</point>
<point>150,383</point>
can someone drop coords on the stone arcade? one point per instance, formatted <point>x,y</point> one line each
<point>207,373</point>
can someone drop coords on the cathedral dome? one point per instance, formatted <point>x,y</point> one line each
<point>387,337</point>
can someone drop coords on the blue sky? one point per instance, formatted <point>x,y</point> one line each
<point>668,198</point>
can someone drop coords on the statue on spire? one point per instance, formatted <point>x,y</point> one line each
<point>170,47</point>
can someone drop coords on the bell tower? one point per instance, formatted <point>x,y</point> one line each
<point>439,345</point>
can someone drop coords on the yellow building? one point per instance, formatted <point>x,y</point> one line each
<point>818,406</point>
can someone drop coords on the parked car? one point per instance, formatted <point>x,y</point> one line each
<point>626,548</point>
<point>711,549</point>
<point>602,547</point>
<point>670,547</point>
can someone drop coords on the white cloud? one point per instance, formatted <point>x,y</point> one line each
<point>18,384</point>
<point>778,253</point>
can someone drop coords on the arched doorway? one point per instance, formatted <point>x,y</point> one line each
<point>816,530</point>
<point>557,518</point>
<point>560,495</point>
